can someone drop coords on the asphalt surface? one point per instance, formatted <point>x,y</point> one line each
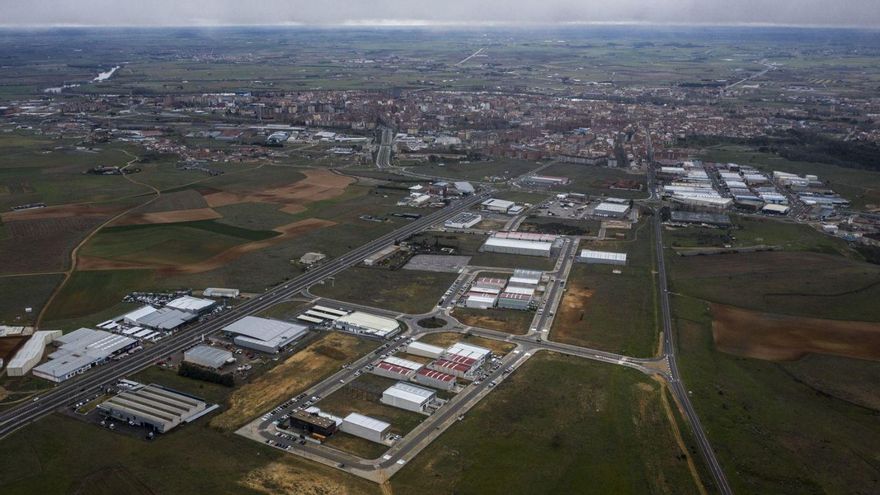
<point>383,156</point>
<point>72,390</point>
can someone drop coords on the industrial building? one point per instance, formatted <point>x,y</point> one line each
<point>312,423</point>
<point>31,352</point>
<point>364,323</point>
<point>365,427</point>
<point>80,350</point>
<point>463,221</point>
<point>461,370</point>
<point>477,300</point>
<point>601,257</point>
<point>417,348</point>
<point>220,292</point>
<point>515,246</point>
<point>381,255</point>
<point>208,357</point>
<point>396,368</point>
<point>435,379</point>
<point>547,180</point>
<point>166,319</point>
<point>193,305</point>
<point>408,397</point>
<point>525,278</point>
<point>497,205</point>
<point>611,210</point>
<point>461,360</point>
<point>519,298</point>
<point>699,218</point>
<point>492,285</point>
<point>263,334</point>
<point>155,407</point>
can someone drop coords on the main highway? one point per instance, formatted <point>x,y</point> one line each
<point>77,388</point>
<point>383,155</point>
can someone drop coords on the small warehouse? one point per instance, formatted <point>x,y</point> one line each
<point>497,205</point>
<point>365,323</point>
<point>435,379</point>
<point>525,278</point>
<point>408,397</point>
<point>365,427</point>
<point>516,246</point>
<point>516,298</point>
<point>463,221</point>
<point>220,292</point>
<point>263,334</point>
<point>611,210</point>
<point>396,368</point>
<point>601,257</point>
<point>417,348</point>
<point>478,300</point>
<point>381,255</point>
<point>208,357</point>
<point>312,423</point>
<point>154,407</point>
<point>193,305</point>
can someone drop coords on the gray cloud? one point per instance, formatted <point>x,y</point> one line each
<point>863,13</point>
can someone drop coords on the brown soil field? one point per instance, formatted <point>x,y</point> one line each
<point>776,337</point>
<point>189,199</point>
<point>318,185</point>
<point>289,378</point>
<point>568,322</point>
<point>288,231</point>
<point>9,345</point>
<point>286,477</point>
<point>61,211</point>
<point>171,216</point>
<point>44,244</point>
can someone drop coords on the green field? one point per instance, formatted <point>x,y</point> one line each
<point>88,293</point>
<point>25,292</point>
<point>595,180</point>
<point>610,311</point>
<point>599,429</point>
<point>253,216</point>
<point>406,291</point>
<point>804,427</point>
<point>500,169</point>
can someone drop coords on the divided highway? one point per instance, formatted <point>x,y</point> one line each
<point>76,388</point>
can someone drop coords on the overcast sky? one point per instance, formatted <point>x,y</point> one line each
<point>23,13</point>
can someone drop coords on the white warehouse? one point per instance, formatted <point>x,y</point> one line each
<point>408,397</point>
<point>601,257</point>
<point>516,246</point>
<point>208,357</point>
<point>263,334</point>
<point>364,323</point>
<point>365,427</point>
<point>417,348</point>
<point>31,352</point>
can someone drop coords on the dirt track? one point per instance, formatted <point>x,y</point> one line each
<point>776,337</point>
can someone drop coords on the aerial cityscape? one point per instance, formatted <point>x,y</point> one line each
<point>416,248</point>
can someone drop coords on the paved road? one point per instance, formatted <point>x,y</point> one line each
<point>670,351</point>
<point>77,388</point>
<point>383,156</point>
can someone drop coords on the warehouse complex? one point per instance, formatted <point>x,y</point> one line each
<point>208,357</point>
<point>80,350</point>
<point>154,407</point>
<point>518,292</point>
<point>601,257</point>
<point>263,334</point>
<point>365,427</point>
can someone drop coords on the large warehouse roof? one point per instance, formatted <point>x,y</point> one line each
<point>206,355</point>
<point>411,393</point>
<point>403,363</point>
<point>273,333</point>
<point>190,304</point>
<point>165,319</point>
<point>32,350</point>
<point>371,323</point>
<point>518,244</point>
<point>138,313</point>
<point>612,207</point>
<point>161,407</point>
<point>79,349</point>
<point>367,422</point>
<point>468,351</point>
<point>603,255</point>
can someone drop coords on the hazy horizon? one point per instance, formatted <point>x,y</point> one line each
<point>451,13</point>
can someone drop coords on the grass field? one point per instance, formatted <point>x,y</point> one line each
<point>805,427</point>
<point>87,293</point>
<point>599,429</point>
<point>502,169</point>
<point>299,371</point>
<point>25,292</point>
<point>791,283</point>
<point>595,180</point>
<point>63,455</point>
<point>608,311</point>
<point>407,291</point>
<point>286,310</point>
<point>750,231</point>
<point>505,320</point>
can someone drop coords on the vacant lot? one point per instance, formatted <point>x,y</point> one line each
<point>88,292</point>
<point>614,312</point>
<point>504,320</point>
<point>596,180</point>
<point>446,339</point>
<point>63,455</point>
<point>25,292</point>
<point>802,427</point>
<point>310,365</point>
<point>406,291</point>
<point>793,283</point>
<point>501,169</point>
<point>586,434</point>
<point>787,338</point>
